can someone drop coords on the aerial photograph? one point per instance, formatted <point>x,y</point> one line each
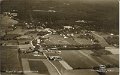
<point>59,37</point>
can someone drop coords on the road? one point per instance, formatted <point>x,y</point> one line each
<point>51,67</point>
<point>82,57</point>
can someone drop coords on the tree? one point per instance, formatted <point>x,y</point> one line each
<point>5,22</point>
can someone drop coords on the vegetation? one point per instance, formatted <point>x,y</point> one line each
<point>101,16</point>
<point>100,52</point>
<point>113,40</point>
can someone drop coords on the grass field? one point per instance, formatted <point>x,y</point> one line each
<point>9,42</point>
<point>71,41</point>
<point>56,39</point>
<point>59,40</point>
<point>106,60</point>
<point>110,60</point>
<point>31,56</point>
<point>58,65</point>
<point>80,72</point>
<point>24,41</point>
<point>84,59</point>
<point>38,66</point>
<point>114,71</point>
<point>10,59</point>
<point>77,60</point>
<point>83,41</point>
<point>114,56</point>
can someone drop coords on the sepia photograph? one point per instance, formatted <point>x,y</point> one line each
<point>59,37</point>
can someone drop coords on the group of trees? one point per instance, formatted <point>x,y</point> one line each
<point>112,40</point>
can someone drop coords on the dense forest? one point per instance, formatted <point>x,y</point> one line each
<point>103,14</point>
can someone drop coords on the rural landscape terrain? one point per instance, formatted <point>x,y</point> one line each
<point>59,37</point>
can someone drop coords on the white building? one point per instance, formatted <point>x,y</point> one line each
<point>68,27</point>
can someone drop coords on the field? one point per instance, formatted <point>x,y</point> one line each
<point>77,60</point>
<point>106,60</point>
<point>38,66</point>
<point>59,66</point>
<point>101,40</point>
<point>80,59</point>
<point>10,59</point>
<point>59,40</point>
<point>83,41</point>
<point>81,72</point>
<point>56,39</point>
<point>24,41</point>
<point>71,41</point>
<point>31,56</point>
<point>9,42</point>
<point>110,60</point>
<point>114,71</point>
<point>86,19</point>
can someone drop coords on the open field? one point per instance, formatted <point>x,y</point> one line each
<point>111,39</point>
<point>113,50</point>
<point>83,41</point>
<point>10,59</point>
<point>75,31</point>
<point>101,40</point>
<point>9,42</point>
<point>23,41</point>
<point>38,66</point>
<point>56,39</point>
<point>80,59</point>
<point>9,74</point>
<point>106,61</point>
<point>71,41</point>
<point>59,40</point>
<point>113,71</point>
<point>115,56</point>
<point>110,60</point>
<point>59,66</point>
<point>77,60</point>
<point>31,56</point>
<point>80,72</point>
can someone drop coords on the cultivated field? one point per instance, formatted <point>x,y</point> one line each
<point>38,66</point>
<point>77,60</point>
<point>10,59</point>
<point>56,39</point>
<point>60,40</point>
<point>83,59</point>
